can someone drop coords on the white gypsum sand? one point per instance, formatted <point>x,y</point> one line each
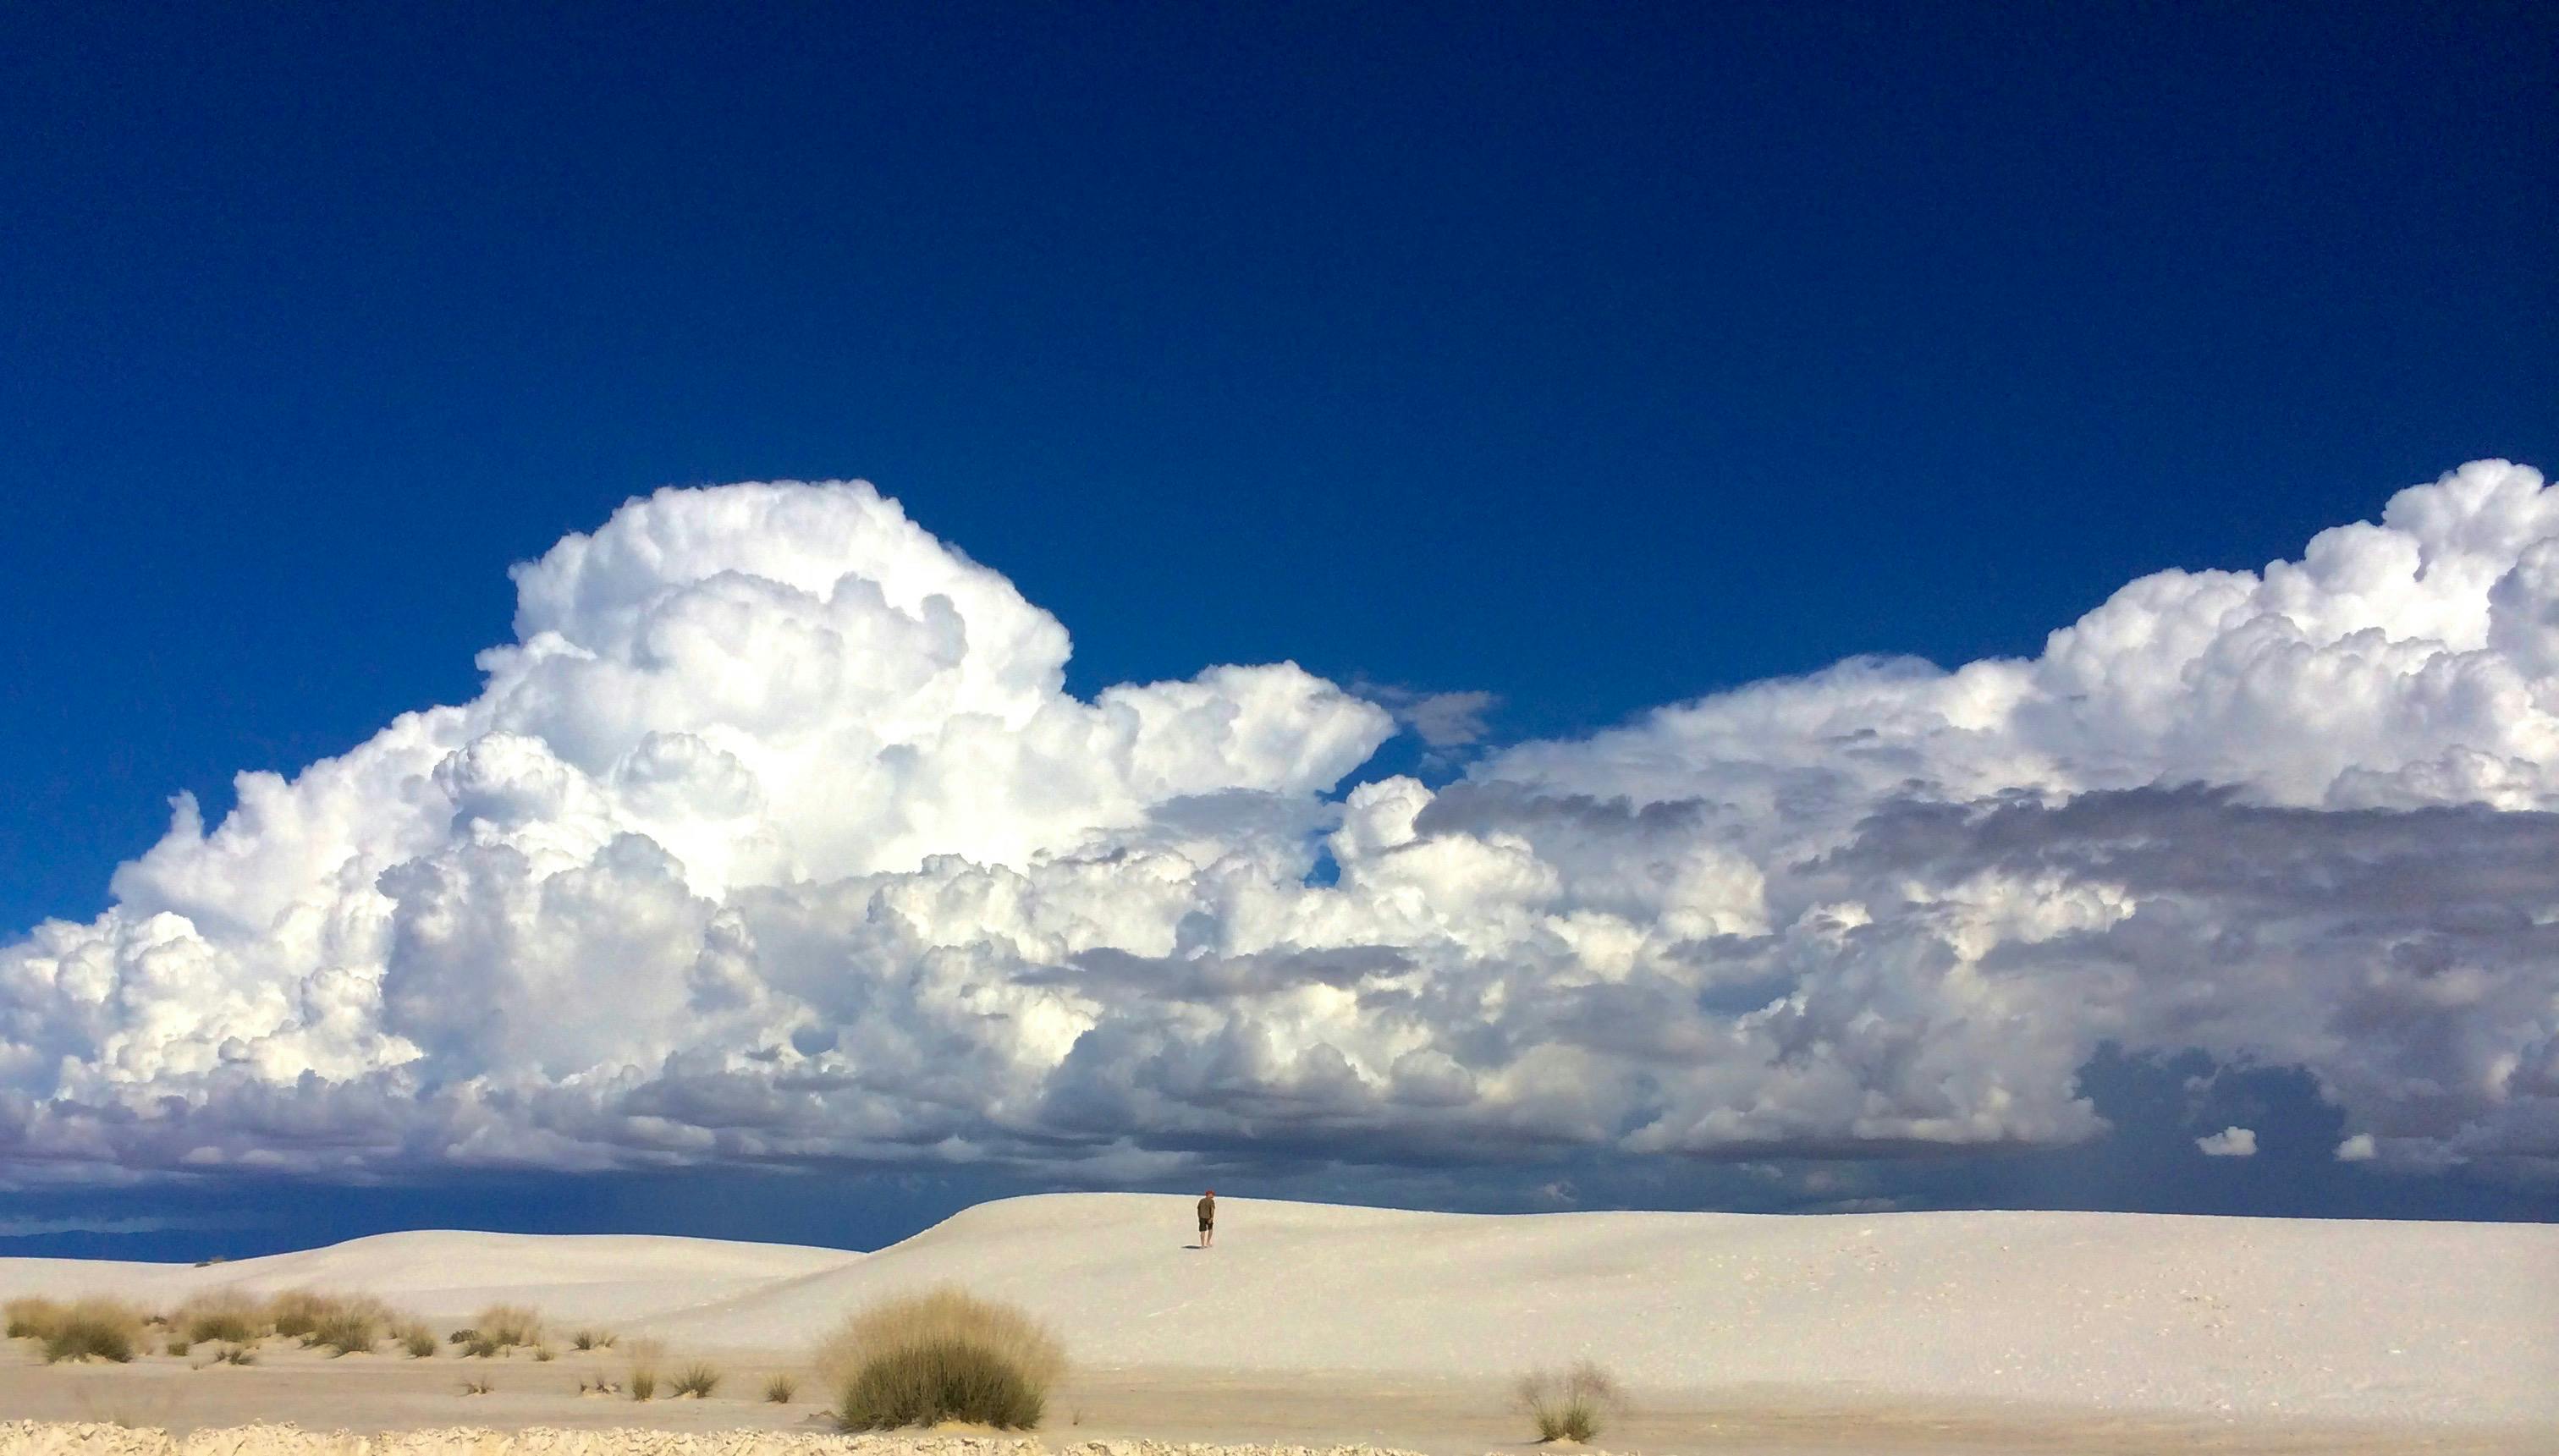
<point>1932,1319</point>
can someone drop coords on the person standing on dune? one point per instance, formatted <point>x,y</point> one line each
<point>1208,1216</point>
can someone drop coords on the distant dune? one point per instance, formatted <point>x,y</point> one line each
<point>2227,1318</point>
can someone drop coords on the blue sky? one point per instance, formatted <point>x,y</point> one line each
<point>1593,359</point>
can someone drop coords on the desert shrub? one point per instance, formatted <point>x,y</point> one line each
<point>1569,1407</point>
<point>938,1380</point>
<point>295,1313</point>
<point>697,1379</point>
<point>509,1324</point>
<point>94,1329</point>
<point>592,1340</point>
<point>31,1318</point>
<point>545,1353</point>
<point>224,1316</point>
<point>235,1354</point>
<point>944,1314</point>
<point>940,1356</point>
<point>416,1339</point>
<point>482,1348</point>
<point>352,1325</point>
<point>478,1385</point>
<point>780,1390</point>
<point>180,1344</point>
<point>645,1355</point>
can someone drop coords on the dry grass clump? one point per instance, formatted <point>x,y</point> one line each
<point>781,1389</point>
<point>94,1329</point>
<point>220,1316</point>
<point>478,1385</point>
<point>1571,1405</point>
<point>415,1338</point>
<point>233,1355</point>
<point>697,1381</point>
<point>942,1356</point>
<point>31,1318</point>
<point>643,1380</point>
<point>352,1325</point>
<point>295,1313</point>
<point>509,1324</point>
<point>592,1340</point>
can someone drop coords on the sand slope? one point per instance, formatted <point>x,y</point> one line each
<point>447,1275</point>
<point>2244,1318</point>
<point>2451,1320</point>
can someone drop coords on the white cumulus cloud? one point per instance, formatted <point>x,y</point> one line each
<point>774,835</point>
<point>2230,1143</point>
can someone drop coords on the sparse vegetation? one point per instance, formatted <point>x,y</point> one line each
<point>94,1329</point>
<point>223,1316</point>
<point>482,1348</point>
<point>417,1340</point>
<point>478,1385</point>
<point>592,1340</point>
<point>1569,1407</point>
<point>295,1313</point>
<point>235,1354</point>
<point>941,1355</point>
<point>781,1389</point>
<point>31,1318</point>
<point>645,1355</point>
<point>350,1325</point>
<point>180,1344</point>
<point>695,1380</point>
<point>510,1325</point>
<point>545,1353</point>
<point>462,1337</point>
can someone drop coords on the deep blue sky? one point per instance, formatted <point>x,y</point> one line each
<point>1595,357</point>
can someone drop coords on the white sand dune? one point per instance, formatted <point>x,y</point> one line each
<point>2453,1324</point>
<point>445,1274</point>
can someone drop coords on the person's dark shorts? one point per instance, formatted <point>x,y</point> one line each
<point>1207,1224</point>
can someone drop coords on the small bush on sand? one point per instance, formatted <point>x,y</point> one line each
<point>352,1325</point>
<point>939,1381</point>
<point>94,1329</point>
<point>645,1355</point>
<point>941,1355</point>
<point>462,1337</point>
<point>33,1319</point>
<point>697,1379</point>
<point>482,1348</point>
<point>780,1390</point>
<point>1569,1407</point>
<point>477,1386</point>
<point>592,1340</point>
<point>545,1353</point>
<point>416,1339</point>
<point>180,1344</point>
<point>295,1313</point>
<point>235,1354</point>
<point>509,1324</point>
<point>223,1316</point>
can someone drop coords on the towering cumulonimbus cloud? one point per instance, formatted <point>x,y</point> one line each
<point>774,835</point>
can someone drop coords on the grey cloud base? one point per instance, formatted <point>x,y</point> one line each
<point>775,838</point>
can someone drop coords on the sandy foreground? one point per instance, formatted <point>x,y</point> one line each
<point>1312,1325</point>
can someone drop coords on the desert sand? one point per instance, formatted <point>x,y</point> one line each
<point>1321,1325</point>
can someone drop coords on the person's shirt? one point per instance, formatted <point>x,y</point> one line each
<point>1208,1209</point>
